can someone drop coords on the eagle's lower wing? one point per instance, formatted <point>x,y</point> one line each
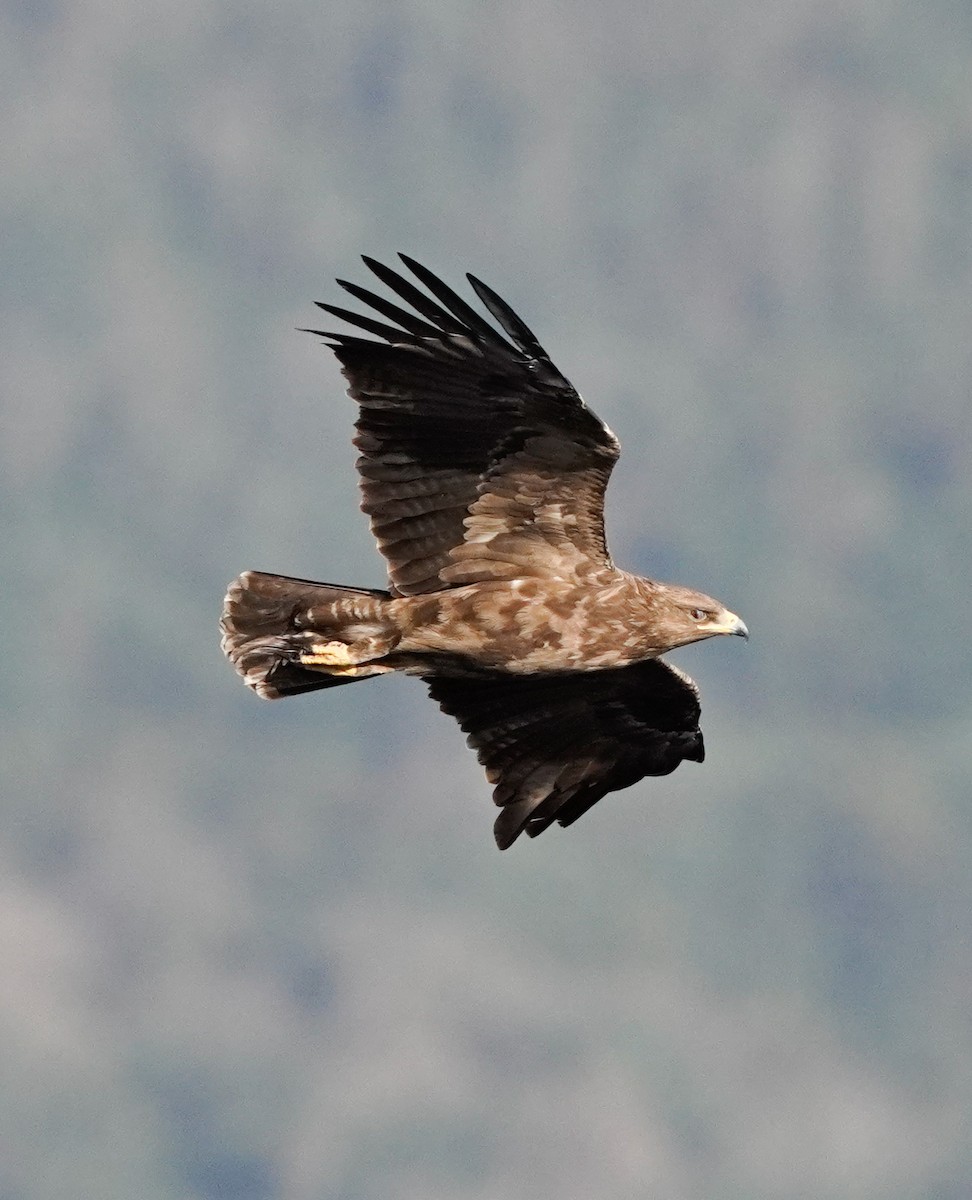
<point>479,460</point>
<point>556,744</point>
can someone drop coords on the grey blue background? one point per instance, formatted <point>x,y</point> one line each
<point>269,952</point>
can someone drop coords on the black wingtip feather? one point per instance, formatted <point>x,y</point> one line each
<point>519,331</point>
<point>411,295</point>
<point>453,301</point>
<point>451,315</point>
<point>390,333</point>
<point>326,333</point>
<point>407,320</point>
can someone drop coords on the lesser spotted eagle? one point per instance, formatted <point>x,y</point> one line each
<point>483,473</point>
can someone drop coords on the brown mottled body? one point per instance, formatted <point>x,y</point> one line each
<point>525,626</point>
<point>483,473</point>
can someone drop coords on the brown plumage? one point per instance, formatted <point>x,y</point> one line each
<point>483,473</point>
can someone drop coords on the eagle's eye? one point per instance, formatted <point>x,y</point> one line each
<point>698,614</point>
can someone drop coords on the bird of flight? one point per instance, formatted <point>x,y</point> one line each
<point>483,473</point>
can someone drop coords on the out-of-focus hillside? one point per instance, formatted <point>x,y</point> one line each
<point>269,952</point>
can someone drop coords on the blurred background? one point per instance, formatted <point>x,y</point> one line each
<point>269,952</point>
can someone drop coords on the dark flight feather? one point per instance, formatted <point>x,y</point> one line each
<point>556,744</point>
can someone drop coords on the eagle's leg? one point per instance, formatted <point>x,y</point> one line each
<point>328,654</point>
<point>340,658</point>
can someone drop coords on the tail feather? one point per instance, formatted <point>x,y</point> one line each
<point>263,633</point>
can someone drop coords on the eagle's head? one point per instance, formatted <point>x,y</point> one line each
<point>686,616</point>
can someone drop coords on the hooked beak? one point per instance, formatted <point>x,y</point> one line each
<point>733,626</point>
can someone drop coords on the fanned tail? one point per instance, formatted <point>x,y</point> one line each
<point>270,622</point>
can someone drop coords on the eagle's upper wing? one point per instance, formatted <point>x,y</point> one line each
<point>478,460</point>
<point>556,744</point>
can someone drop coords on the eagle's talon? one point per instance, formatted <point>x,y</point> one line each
<point>328,654</point>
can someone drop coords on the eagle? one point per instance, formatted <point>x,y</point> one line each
<point>483,473</point>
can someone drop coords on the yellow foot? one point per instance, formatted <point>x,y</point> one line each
<point>328,654</point>
<point>354,672</point>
